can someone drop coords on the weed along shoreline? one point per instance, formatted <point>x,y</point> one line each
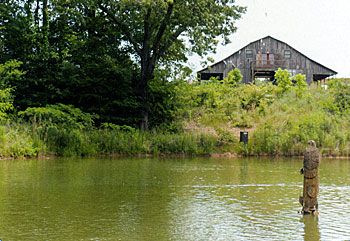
<point>134,143</point>
<point>205,119</point>
<point>213,155</point>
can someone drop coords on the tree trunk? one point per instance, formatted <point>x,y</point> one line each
<point>145,105</point>
<point>45,28</point>
<point>91,14</point>
<point>36,15</point>
<point>28,8</point>
<point>147,74</point>
<point>45,18</point>
<point>311,179</point>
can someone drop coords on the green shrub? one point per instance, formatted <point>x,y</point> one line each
<point>340,103</point>
<point>284,80</point>
<point>59,115</point>
<point>233,78</point>
<point>16,141</point>
<point>9,71</point>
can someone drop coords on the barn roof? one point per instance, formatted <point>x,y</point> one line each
<point>334,72</point>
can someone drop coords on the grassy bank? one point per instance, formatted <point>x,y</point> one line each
<point>280,119</point>
<point>207,120</point>
<point>20,140</point>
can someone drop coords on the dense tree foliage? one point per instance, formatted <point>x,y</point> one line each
<point>69,56</point>
<point>102,56</point>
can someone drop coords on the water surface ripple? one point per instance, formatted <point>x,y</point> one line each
<point>169,199</point>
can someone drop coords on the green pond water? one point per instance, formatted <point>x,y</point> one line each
<point>169,199</point>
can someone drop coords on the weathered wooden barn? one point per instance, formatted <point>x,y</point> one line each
<point>261,59</point>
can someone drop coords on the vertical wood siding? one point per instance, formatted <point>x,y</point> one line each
<point>298,63</point>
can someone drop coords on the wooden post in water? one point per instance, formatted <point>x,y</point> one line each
<point>311,179</point>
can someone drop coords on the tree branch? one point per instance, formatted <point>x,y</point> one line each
<point>161,30</point>
<point>122,27</point>
<point>147,32</point>
<point>171,40</point>
<point>147,35</point>
<point>176,34</point>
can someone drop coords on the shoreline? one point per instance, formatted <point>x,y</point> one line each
<point>214,155</point>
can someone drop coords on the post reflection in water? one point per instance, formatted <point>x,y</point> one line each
<point>311,229</point>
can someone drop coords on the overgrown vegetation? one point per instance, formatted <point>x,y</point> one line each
<point>198,118</point>
<point>102,56</point>
<point>81,78</point>
<point>280,119</point>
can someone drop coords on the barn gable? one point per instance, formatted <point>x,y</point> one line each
<point>262,58</point>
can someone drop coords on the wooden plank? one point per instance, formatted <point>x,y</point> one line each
<point>275,48</point>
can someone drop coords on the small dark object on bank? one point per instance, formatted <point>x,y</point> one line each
<point>243,137</point>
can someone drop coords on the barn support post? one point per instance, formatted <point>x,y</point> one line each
<point>311,179</point>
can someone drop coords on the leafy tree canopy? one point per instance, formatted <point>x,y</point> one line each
<point>163,31</point>
<point>84,52</point>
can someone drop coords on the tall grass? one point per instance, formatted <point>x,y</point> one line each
<point>291,121</point>
<point>16,141</point>
<point>153,142</point>
<point>279,123</point>
<point>22,140</point>
<point>65,142</point>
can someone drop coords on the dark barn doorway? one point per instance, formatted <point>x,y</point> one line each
<point>264,75</point>
<point>207,76</point>
<point>319,77</point>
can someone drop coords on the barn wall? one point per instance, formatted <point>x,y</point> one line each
<point>297,64</point>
